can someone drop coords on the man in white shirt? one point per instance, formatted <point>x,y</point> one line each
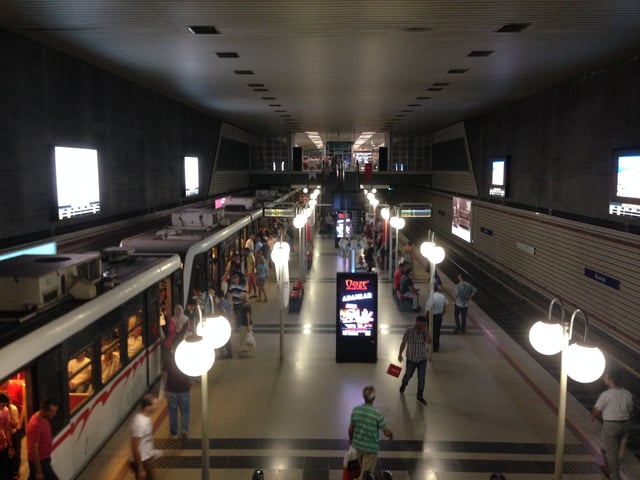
<point>614,405</point>
<point>142,451</point>
<point>437,306</point>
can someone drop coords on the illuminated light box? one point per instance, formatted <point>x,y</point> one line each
<point>356,317</point>
<point>626,201</point>
<point>461,218</point>
<point>499,171</point>
<point>77,182</point>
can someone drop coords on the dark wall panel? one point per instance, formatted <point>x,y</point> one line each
<point>49,99</point>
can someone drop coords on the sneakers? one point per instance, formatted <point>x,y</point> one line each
<point>402,387</point>
<point>422,401</point>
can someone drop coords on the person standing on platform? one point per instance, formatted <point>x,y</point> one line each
<point>39,442</point>
<point>250,269</point>
<point>261,276</point>
<point>177,387</point>
<point>464,293</point>
<point>615,406</point>
<point>437,306</point>
<point>141,428</point>
<point>364,431</point>
<point>417,340</point>
<point>236,289</point>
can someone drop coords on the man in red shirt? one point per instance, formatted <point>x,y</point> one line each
<point>39,442</point>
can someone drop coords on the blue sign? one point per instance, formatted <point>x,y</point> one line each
<point>602,278</point>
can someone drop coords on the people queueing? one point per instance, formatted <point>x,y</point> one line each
<point>416,339</point>
<point>364,431</point>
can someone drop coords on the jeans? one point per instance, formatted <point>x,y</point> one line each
<point>422,370</point>
<point>612,435</point>
<point>460,316</point>
<point>437,326</point>
<point>182,401</point>
<point>47,471</point>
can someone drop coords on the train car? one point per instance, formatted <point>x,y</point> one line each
<point>84,330</point>
<point>205,239</point>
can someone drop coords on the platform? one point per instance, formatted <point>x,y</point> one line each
<point>491,407</point>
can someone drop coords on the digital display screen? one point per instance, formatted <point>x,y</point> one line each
<point>411,210</point>
<point>343,225</point>
<point>357,304</point>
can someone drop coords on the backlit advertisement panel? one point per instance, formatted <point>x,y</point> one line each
<point>356,317</point>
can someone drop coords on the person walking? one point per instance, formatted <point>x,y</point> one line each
<point>464,293</point>
<point>141,428</point>
<point>614,406</point>
<point>437,306</point>
<point>39,442</point>
<point>261,276</point>
<point>177,387</point>
<point>364,431</point>
<point>416,339</point>
<point>7,450</point>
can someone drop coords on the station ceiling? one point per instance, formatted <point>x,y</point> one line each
<point>338,68</point>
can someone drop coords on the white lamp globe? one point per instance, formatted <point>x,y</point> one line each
<point>425,249</point>
<point>194,356</point>
<point>585,364</point>
<point>317,190</point>
<point>436,255</point>
<point>305,190</point>
<point>397,222</point>
<point>547,338</point>
<point>313,202</point>
<point>385,213</point>
<point>374,190</point>
<point>371,196</point>
<point>215,330</point>
<point>280,253</point>
<point>300,220</point>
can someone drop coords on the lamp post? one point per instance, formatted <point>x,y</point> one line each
<point>435,255</point>
<point>299,222</point>
<point>398,224</point>
<point>280,257</point>
<point>582,362</point>
<point>195,356</point>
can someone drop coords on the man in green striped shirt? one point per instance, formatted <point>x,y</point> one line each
<point>364,427</point>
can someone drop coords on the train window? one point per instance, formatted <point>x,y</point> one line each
<point>80,378</point>
<point>134,339</point>
<point>110,357</point>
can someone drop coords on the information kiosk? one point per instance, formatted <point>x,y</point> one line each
<point>356,317</point>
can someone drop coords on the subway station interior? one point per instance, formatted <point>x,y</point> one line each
<point>505,132</point>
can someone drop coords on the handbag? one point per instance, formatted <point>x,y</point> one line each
<point>350,465</point>
<point>394,370</point>
<point>249,340</point>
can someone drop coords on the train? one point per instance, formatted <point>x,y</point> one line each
<point>85,329</point>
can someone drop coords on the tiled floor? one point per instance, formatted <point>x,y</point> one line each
<point>490,407</point>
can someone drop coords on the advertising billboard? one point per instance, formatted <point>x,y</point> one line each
<point>356,317</point>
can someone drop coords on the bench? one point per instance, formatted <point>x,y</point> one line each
<point>405,304</point>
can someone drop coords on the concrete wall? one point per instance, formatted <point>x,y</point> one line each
<point>50,99</point>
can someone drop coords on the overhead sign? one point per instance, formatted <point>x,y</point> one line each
<point>279,212</point>
<point>415,210</point>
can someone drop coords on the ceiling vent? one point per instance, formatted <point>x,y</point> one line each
<point>480,53</point>
<point>204,30</point>
<point>227,55</point>
<point>512,27</point>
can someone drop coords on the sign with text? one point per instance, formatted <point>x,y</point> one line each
<point>356,317</point>
<point>415,210</point>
